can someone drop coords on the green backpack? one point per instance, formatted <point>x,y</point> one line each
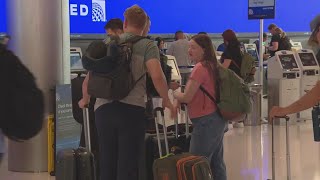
<point>248,68</point>
<point>234,96</point>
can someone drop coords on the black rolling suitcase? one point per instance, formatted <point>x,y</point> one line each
<point>76,89</point>
<point>178,141</point>
<point>178,165</point>
<point>287,150</point>
<point>77,164</point>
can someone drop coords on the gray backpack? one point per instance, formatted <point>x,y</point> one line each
<point>116,83</point>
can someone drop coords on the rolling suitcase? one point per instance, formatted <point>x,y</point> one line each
<point>182,166</point>
<point>178,140</point>
<point>76,89</point>
<point>316,123</point>
<point>287,150</point>
<point>77,164</point>
<point>66,165</point>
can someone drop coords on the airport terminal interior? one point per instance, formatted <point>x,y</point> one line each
<point>279,80</point>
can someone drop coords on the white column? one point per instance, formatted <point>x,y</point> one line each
<point>41,39</point>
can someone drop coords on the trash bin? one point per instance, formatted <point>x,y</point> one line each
<point>254,118</point>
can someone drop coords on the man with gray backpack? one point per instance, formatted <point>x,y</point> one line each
<point>120,93</point>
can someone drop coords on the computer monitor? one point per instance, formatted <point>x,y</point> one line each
<point>75,60</point>
<point>252,50</point>
<point>288,61</point>
<point>296,46</point>
<point>253,53</point>
<point>175,70</point>
<point>308,59</point>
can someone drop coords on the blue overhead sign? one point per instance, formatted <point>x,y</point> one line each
<point>90,16</point>
<point>261,9</point>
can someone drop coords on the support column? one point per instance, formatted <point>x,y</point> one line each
<point>41,39</point>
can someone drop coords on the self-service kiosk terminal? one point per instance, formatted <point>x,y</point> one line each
<point>75,60</point>
<point>310,75</point>
<point>283,81</point>
<point>175,76</point>
<point>296,46</point>
<point>252,50</point>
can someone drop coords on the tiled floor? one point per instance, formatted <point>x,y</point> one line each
<point>7,175</point>
<point>248,155</point>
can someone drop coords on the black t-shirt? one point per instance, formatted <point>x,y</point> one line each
<point>275,38</point>
<point>283,43</point>
<point>228,55</point>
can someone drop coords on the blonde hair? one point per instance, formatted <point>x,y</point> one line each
<point>280,32</point>
<point>136,17</point>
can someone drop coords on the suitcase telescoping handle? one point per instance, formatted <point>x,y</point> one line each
<point>316,122</point>
<point>159,114</point>
<point>86,128</point>
<point>287,148</point>
<point>185,117</point>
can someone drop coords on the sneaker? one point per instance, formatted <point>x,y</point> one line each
<point>230,126</point>
<point>238,125</point>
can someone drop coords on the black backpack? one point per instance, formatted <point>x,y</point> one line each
<point>167,70</point>
<point>109,66</point>
<point>24,106</point>
<point>285,44</point>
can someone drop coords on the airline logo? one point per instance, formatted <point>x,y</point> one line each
<point>98,10</point>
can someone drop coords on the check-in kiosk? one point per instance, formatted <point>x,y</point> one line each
<point>75,60</point>
<point>310,75</point>
<point>175,76</point>
<point>252,50</point>
<point>284,77</point>
<point>296,46</point>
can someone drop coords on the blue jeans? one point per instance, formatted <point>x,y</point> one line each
<point>207,140</point>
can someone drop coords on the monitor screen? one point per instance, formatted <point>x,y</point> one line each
<point>174,66</point>
<point>307,59</point>
<point>75,61</point>
<point>253,53</point>
<point>288,61</point>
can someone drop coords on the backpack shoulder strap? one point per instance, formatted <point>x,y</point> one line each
<point>135,39</point>
<point>211,98</point>
<point>232,61</point>
<point>208,94</point>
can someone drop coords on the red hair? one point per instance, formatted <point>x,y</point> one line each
<point>229,35</point>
